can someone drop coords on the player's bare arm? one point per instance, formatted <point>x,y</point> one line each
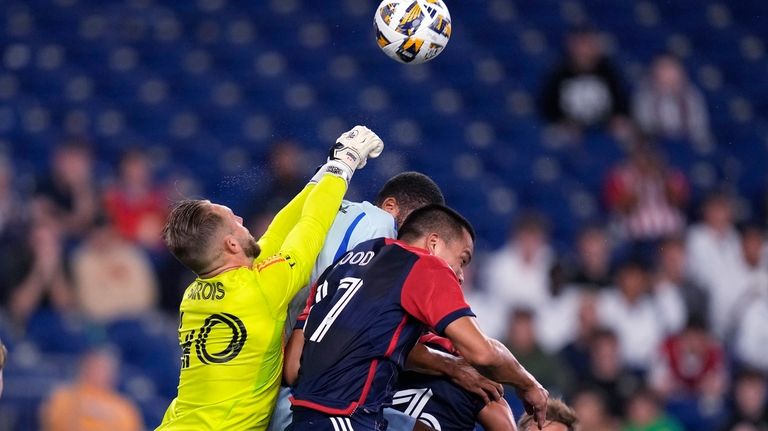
<point>497,362</point>
<point>421,359</point>
<point>292,361</point>
<point>421,426</point>
<point>497,416</point>
<point>434,362</point>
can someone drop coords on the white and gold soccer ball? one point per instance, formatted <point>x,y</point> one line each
<point>412,31</point>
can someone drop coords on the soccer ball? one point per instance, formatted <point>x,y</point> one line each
<point>412,31</point>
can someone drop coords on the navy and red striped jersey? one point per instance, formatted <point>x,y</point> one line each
<point>434,400</point>
<point>364,316</point>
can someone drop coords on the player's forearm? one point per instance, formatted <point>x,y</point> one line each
<point>501,365</point>
<point>497,416</point>
<point>282,224</point>
<point>424,360</point>
<point>292,361</point>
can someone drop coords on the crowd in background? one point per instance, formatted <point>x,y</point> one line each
<point>654,318</point>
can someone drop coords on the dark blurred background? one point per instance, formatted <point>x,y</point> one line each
<point>611,154</point>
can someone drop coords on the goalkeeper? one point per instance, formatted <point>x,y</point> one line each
<point>232,315</point>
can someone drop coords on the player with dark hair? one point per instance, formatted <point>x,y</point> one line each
<point>367,311</point>
<point>560,417</point>
<point>406,192</point>
<point>232,315</point>
<point>355,223</point>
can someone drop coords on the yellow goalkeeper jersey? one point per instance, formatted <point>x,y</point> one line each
<point>232,324</point>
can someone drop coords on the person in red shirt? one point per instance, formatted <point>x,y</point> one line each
<point>691,363</point>
<point>646,194</point>
<point>136,205</point>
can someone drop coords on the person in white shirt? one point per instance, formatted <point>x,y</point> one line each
<point>517,275</point>
<point>668,105</point>
<point>715,259</point>
<point>630,312</point>
<point>751,344</point>
<point>674,293</point>
<point>557,318</point>
<point>752,336</point>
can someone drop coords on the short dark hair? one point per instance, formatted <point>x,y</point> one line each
<point>435,218</point>
<point>557,411</point>
<point>751,374</point>
<point>531,221</point>
<point>188,231</point>
<point>412,190</point>
<point>602,333</point>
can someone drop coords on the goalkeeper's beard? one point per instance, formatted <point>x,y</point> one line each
<point>250,247</point>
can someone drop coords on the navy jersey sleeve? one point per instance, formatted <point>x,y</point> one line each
<point>432,294</point>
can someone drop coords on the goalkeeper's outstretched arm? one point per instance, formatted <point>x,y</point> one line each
<point>350,152</point>
<point>303,243</point>
<point>281,225</point>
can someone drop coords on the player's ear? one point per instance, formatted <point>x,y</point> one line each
<point>391,206</point>
<point>432,242</point>
<point>231,245</point>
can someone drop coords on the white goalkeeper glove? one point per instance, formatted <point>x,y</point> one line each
<point>351,152</point>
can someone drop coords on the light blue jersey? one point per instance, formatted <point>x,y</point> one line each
<point>355,222</point>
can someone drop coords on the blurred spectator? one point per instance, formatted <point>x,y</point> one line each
<point>12,207</point>
<point>593,265</point>
<point>556,318</point>
<point>521,341</point>
<point>577,352</point>
<point>42,279</point>
<point>646,195</point>
<point>518,274</point>
<point>584,90</point>
<point>591,409</point>
<point>645,414</point>
<point>667,293</point>
<point>631,312</point>
<point>490,312</point>
<point>755,262</point>
<point>751,344</point>
<point>287,176</point>
<point>135,204</point>
<point>668,105</point>
<point>715,260</point>
<point>691,363</point>
<point>112,277</point>
<point>750,397</point>
<point>559,417</point>
<point>607,372</point>
<point>68,195</point>
<point>91,402</point>
<point>674,284</point>
<point>13,231</point>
